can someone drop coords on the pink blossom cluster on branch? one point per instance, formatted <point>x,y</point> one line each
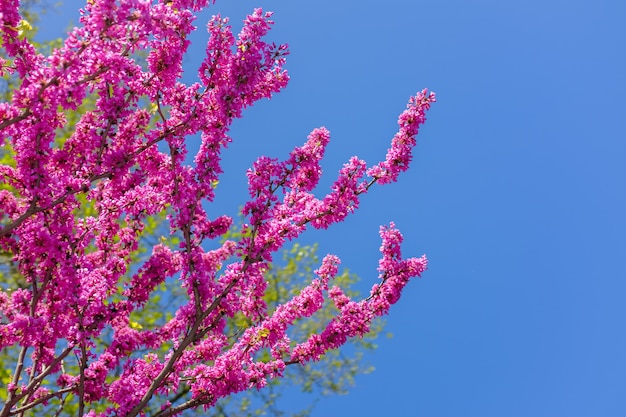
<point>127,160</point>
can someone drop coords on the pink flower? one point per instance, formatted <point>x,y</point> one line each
<point>75,209</point>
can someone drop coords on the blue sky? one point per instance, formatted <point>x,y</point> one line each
<point>516,193</point>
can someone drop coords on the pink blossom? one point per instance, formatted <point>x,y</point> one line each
<point>74,210</point>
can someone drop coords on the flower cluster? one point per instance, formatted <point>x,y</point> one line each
<point>74,211</point>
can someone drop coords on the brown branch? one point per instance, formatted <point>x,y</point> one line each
<point>42,399</point>
<point>30,388</point>
<point>81,383</point>
<point>15,119</point>
<point>13,398</point>
<point>179,408</point>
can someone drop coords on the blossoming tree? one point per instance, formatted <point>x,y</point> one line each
<point>73,212</point>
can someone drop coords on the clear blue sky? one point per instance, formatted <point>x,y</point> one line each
<point>516,194</point>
